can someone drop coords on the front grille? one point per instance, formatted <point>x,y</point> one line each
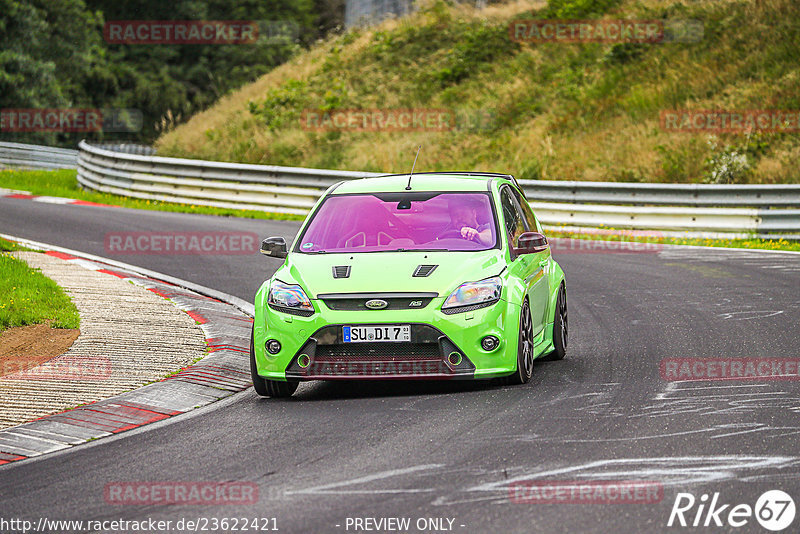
<point>330,357</point>
<point>371,369</point>
<point>378,352</point>
<point>394,301</point>
<point>416,303</point>
<point>334,335</point>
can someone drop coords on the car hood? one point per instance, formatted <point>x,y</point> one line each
<point>390,271</point>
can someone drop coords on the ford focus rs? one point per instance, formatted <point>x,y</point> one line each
<point>428,276</point>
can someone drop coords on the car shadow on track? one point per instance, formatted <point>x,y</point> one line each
<point>359,389</point>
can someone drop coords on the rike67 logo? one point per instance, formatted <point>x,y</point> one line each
<point>774,510</point>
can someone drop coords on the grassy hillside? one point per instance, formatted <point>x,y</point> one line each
<point>550,111</point>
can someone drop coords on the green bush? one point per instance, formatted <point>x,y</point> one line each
<point>569,9</point>
<point>281,105</point>
<point>478,44</point>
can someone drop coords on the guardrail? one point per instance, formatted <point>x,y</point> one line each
<point>691,210</point>
<point>208,183</point>
<point>697,195</point>
<point>127,148</point>
<point>18,155</point>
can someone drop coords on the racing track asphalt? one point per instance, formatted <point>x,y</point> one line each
<point>339,450</point>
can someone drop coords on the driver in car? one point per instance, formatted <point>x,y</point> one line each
<point>464,219</point>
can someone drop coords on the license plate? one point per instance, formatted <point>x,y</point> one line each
<point>393,333</point>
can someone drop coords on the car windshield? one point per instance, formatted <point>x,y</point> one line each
<point>401,221</point>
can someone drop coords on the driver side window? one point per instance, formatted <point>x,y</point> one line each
<point>515,223</point>
<point>527,212</point>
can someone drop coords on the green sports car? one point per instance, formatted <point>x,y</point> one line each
<point>423,276</point>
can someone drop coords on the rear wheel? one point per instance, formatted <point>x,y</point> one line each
<point>524,347</point>
<point>560,327</point>
<point>264,387</point>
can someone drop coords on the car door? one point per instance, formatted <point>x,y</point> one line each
<point>530,269</point>
<point>541,259</point>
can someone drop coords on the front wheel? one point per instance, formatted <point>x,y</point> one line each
<point>524,347</point>
<point>264,387</point>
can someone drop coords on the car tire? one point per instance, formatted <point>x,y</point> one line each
<point>264,387</point>
<point>560,327</point>
<point>524,347</point>
<point>277,389</point>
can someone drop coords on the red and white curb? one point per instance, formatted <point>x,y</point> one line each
<point>26,195</point>
<point>222,372</point>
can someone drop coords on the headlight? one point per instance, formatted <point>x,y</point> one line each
<point>474,295</point>
<point>289,299</point>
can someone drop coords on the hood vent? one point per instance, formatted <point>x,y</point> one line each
<point>424,270</point>
<point>341,271</point>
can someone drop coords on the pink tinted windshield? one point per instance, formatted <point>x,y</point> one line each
<point>366,223</point>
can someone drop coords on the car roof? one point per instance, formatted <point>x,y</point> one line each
<point>422,181</point>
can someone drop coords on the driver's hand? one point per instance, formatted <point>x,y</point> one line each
<point>469,233</point>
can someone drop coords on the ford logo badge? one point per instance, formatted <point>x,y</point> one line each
<point>376,304</point>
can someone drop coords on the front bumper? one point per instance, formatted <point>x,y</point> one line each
<point>435,337</point>
<point>430,354</point>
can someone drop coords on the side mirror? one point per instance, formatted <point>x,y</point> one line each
<point>531,243</point>
<point>274,246</point>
